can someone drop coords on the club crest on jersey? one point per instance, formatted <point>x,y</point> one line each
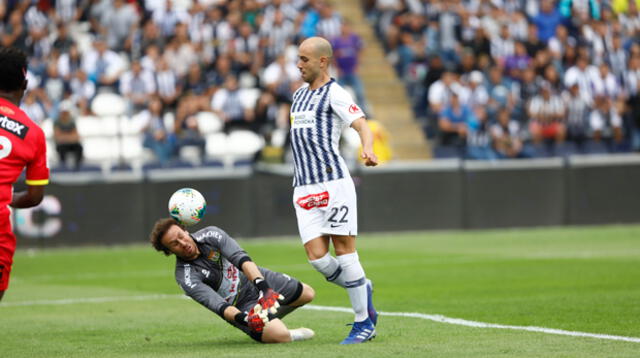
<point>213,255</point>
<point>12,126</point>
<point>354,108</point>
<point>314,201</point>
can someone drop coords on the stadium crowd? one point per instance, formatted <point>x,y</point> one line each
<point>232,58</point>
<point>515,78</point>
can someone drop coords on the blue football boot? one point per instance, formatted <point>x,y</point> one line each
<point>361,332</point>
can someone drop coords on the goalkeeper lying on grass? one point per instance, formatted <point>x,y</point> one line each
<point>216,272</point>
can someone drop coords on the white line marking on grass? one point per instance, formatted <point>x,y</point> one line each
<point>430,317</point>
<point>464,322</point>
<point>70,301</point>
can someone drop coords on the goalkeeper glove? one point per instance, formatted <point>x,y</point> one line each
<point>256,319</point>
<point>268,297</point>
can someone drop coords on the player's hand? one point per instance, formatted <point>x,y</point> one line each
<point>268,300</point>
<point>369,158</point>
<point>257,318</point>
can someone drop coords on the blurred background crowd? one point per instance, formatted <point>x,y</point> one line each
<point>186,72</point>
<point>204,82</point>
<point>515,78</point>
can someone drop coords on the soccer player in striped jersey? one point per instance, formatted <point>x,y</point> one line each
<point>324,195</point>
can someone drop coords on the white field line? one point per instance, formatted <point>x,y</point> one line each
<point>430,317</point>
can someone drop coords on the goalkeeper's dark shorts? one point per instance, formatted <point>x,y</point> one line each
<point>248,296</point>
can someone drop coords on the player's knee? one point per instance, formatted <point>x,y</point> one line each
<point>308,294</point>
<point>276,332</point>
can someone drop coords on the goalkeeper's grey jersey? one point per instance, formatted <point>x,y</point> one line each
<point>213,279</point>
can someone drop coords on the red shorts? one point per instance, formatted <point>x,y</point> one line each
<point>7,249</point>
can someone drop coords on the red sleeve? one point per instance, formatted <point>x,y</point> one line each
<point>37,170</point>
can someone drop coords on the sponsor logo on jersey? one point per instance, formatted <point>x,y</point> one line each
<point>207,234</point>
<point>354,109</point>
<point>12,126</point>
<point>314,201</point>
<point>187,277</point>
<point>7,110</point>
<point>303,120</point>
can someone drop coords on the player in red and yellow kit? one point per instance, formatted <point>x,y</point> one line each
<point>22,144</point>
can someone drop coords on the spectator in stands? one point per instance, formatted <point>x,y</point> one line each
<point>632,85</point>
<point>578,112</point>
<point>32,106</point>
<point>169,87</point>
<point>119,19</point>
<point>440,92</point>
<point>69,62</point>
<point>605,122</point>
<point>503,46</point>
<point>547,20</point>
<point>581,74</point>
<point>546,115</point>
<point>479,146</point>
<point>227,104</point>
<point>347,49</point>
<point>454,121</point>
<point>66,137</point>
<point>500,91</point>
<point>54,88</point>
<point>156,136</point>
<point>167,17</point>
<point>82,91</point>
<point>137,86</point>
<point>63,41</point>
<point>559,43</point>
<point>278,35</point>
<point>329,24</point>
<point>103,65</point>
<point>186,126</point>
<point>507,136</point>
<point>280,78</point>
<point>195,84</point>
<point>15,33</point>
<point>478,95</point>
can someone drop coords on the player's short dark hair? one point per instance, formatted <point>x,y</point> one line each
<point>160,228</point>
<point>13,68</point>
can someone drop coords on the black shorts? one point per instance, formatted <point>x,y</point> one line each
<point>248,296</point>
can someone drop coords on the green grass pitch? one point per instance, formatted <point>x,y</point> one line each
<point>577,279</point>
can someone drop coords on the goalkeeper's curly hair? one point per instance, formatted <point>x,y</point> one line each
<point>160,228</point>
<point>13,69</point>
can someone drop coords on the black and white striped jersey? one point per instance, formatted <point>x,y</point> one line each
<point>318,118</point>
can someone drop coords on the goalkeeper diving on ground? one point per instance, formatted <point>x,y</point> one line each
<point>216,272</point>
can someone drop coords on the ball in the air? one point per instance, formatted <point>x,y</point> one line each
<point>187,206</point>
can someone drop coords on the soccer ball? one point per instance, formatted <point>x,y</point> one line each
<point>187,206</point>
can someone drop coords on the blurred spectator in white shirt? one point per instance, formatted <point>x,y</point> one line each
<point>605,121</point>
<point>137,86</point>
<point>227,103</point>
<point>119,20</point>
<point>82,91</point>
<point>103,65</point>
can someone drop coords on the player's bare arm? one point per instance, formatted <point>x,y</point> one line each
<point>366,138</point>
<point>28,198</point>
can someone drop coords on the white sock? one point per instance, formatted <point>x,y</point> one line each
<point>301,334</point>
<point>330,268</point>
<point>355,283</point>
